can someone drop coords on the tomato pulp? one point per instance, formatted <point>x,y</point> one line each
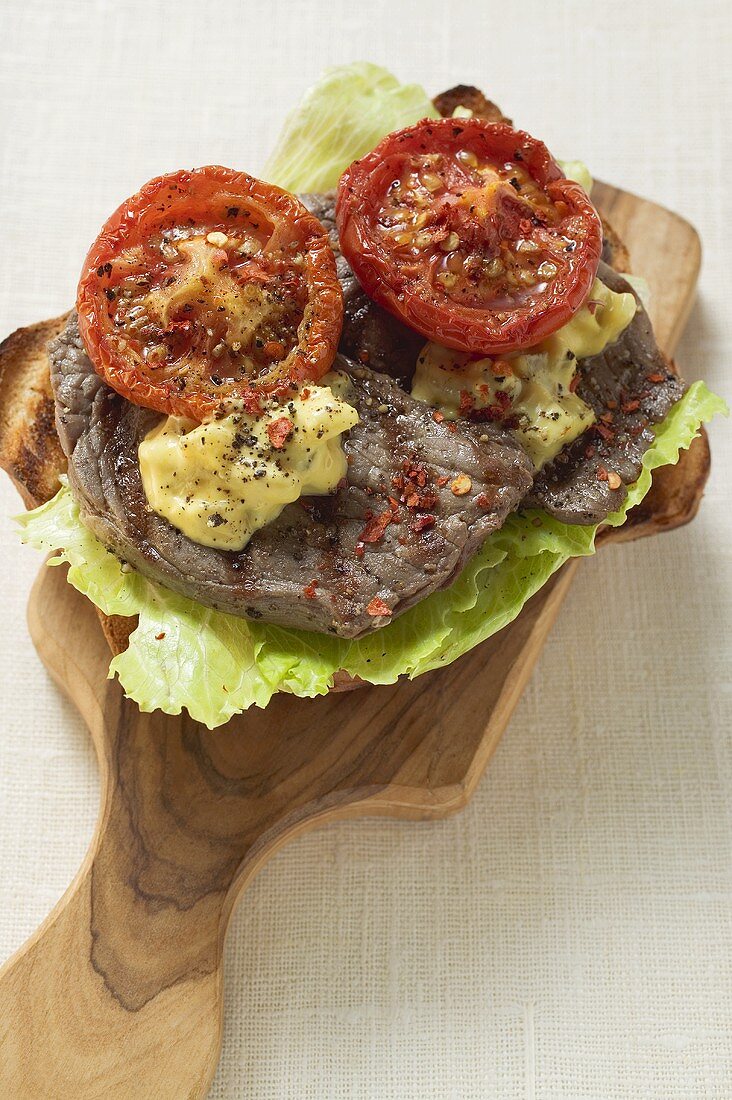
<point>468,232</point>
<point>208,286</point>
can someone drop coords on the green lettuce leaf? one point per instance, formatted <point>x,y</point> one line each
<point>342,117</point>
<point>184,655</point>
<point>578,171</point>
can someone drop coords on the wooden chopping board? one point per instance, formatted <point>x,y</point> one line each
<point>119,992</point>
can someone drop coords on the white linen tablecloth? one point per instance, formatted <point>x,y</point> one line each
<point>570,934</point>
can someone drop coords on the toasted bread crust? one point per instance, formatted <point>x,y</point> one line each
<point>31,454</point>
<point>465,95</point>
<point>619,257</point>
<point>29,448</point>
<point>117,630</point>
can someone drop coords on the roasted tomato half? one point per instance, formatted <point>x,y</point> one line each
<point>469,233</point>
<point>209,285</point>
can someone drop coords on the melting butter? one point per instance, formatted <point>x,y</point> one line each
<point>221,481</point>
<point>537,383</point>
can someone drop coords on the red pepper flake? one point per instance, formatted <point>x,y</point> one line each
<point>606,433</point>
<point>612,404</point>
<point>656,377</point>
<point>497,411</point>
<point>636,430</point>
<point>309,590</point>
<point>279,431</point>
<point>442,480</point>
<point>274,349</point>
<point>438,417</point>
<point>413,486</point>
<point>343,483</point>
<point>500,368</point>
<point>363,356</point>
<point>159,637</point>
<point>451,426</point>
<point>421,523</point>
<point>607,418</point>
<point>394,504</point>
<point>377,608</point>
<point>488,412</point>
<point>421,501</point>
<point>252,402</point>
<point>601,473</point>
<point>416,472</point>
<point>467,402</point>
<point>574,383</point>
<point>593,305</point>
<point>630,406</point>
<point>178,328</point>
<point>305,394</point>
<point>359,551</point>
<point>375,528</point>
<point>484,501</point>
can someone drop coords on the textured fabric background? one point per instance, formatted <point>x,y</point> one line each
<point>570,934</point>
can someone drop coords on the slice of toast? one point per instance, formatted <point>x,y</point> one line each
<point>29,446</point>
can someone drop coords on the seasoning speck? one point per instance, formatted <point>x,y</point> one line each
<point>279,431</point>
<point>377,608</point>
<point>461,485</point>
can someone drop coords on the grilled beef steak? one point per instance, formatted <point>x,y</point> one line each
<point>630,386</point>
<point>346,563</point>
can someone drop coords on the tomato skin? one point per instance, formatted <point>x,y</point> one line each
<point>405,289</point>
<point>186,196</point>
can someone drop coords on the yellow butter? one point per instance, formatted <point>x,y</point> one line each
<point>221,481</point>
<point>537,382</point>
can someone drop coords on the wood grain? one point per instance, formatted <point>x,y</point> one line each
<point>118,994</point>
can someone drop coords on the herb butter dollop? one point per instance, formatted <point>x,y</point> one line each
<point>220,481</point>
<point>532,391</point>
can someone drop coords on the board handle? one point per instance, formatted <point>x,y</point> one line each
<point>80,1017</point>
<point>119,992</point>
